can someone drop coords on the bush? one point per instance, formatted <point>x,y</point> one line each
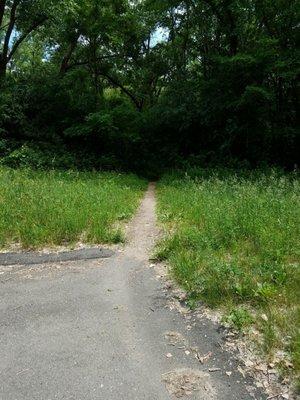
<point>44,156</point>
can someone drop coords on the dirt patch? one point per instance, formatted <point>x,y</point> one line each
<point>187,382</point>
<point>175,338</point>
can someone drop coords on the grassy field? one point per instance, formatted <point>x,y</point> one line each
<point>52,208</point>
<point>233,241</point>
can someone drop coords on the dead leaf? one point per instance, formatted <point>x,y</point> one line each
<point>261,368</point>
<point>204,358</point>
<point>264,317</point>
<point>241,371</point>
<point>249,363</point>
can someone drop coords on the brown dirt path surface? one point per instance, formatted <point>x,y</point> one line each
<point>106,329</point>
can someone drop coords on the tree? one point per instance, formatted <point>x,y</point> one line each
<point>19,19</point>
<point>211,79</point>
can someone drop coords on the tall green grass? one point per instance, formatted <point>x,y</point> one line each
<point>233,241</point>
<point>39,208</point>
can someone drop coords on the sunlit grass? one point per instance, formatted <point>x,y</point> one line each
<point>52,208</point>
<point>233,241</point>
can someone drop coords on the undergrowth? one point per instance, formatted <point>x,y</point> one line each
<point>233,241</point>
<point>39,208</point>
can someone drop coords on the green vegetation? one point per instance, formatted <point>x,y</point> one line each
<point>54,208</point>
<point>147,85</point>
<point>233,241</point>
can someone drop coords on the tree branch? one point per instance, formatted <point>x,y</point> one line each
<point>123,88</point>
<point>87,62</point>
<point>3,27</point>
<point>12,21</point>
<point>66,59</point>
<point>17,43</point>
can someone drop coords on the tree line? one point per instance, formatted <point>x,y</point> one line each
<point>146,85</point>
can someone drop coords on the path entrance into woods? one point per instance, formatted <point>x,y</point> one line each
<point>105,328</point>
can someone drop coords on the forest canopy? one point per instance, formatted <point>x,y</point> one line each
<point>146,85</point>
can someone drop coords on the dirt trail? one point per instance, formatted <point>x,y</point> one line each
<point>142,231</point>
<point>108,329</point>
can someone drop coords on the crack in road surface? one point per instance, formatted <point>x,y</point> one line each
<point>101,329</point>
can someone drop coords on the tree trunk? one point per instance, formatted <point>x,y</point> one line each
<point>3,66</point>
<point>67,57</point>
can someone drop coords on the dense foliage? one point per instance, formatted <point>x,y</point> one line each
<point>147,84</point>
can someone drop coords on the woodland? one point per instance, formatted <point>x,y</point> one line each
<point>149,85</point>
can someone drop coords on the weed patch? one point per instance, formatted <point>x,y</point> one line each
<point>233,241</point>
<point>39,208</point>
